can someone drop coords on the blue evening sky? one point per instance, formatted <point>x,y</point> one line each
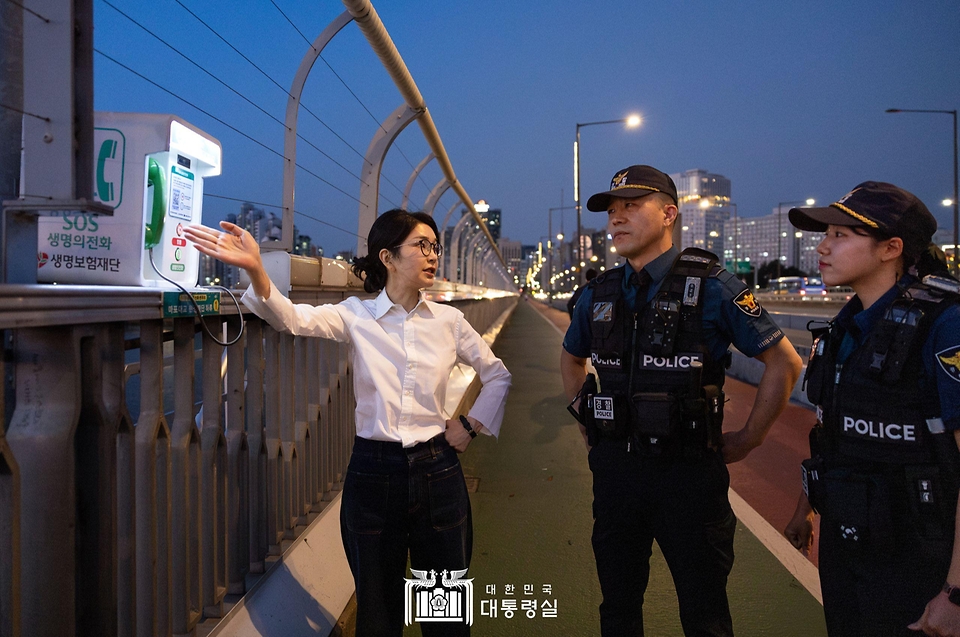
<point>786,99</point>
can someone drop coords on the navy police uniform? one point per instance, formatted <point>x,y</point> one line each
<point>885,470</point>
<point>651,480</point>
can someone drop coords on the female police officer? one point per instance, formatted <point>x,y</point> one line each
<point>885,376</point>
<point>404,487</point>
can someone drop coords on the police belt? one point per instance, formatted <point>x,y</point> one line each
<point>659,423</point>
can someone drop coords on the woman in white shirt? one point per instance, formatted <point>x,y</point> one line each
<point>404,489</point>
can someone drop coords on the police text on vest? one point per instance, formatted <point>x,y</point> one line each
<point>879,430</point>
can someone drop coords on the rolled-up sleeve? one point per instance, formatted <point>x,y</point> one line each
<point>323,321</point>
<point>490,404</point>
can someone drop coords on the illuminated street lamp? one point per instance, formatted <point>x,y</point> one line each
<point>956,172</point>
<point>808,202</point>
<point>632,121</point>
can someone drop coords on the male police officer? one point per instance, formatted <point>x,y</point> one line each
<point>657,331</point>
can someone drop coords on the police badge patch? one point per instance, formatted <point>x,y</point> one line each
<point>603,311</point>
<point>949,360</point>
<point>747,303</point>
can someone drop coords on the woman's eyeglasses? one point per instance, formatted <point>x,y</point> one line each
<point>425,247</point>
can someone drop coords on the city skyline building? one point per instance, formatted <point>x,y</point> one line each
<point>492,217</point>
<point>702,198</point>
<point>512,252</point>
<point>265,228</point>
<point>758,243</point>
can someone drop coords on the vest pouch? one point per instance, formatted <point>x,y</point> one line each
<point>658,413</point>
<point>608,414</point>
<point>659,326</point>
<point>932,509</point>
<point>810,474</point>
<point>858,508</point>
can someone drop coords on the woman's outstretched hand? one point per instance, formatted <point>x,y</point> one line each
<point>233,246</point>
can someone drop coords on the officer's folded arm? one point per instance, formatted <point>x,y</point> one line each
<point>781,370</point>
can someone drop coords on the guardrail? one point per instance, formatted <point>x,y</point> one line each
<point>829,297</point>
<point>147,473</point>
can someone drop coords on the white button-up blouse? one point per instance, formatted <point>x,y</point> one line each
<point>401,360</point>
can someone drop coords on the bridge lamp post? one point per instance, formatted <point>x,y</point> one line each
<point>632,121</point>
<point>956,172</point>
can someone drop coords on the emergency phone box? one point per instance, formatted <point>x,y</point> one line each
<point>150,168</point>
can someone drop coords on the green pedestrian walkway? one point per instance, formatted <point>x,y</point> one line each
<point>532,521</point>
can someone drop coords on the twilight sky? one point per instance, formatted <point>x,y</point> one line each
<point>787,100</point>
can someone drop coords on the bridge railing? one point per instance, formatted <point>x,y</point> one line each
<point>148,473</point>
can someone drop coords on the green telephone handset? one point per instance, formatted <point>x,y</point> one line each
<point>105,188</point>
<point>155,228</point>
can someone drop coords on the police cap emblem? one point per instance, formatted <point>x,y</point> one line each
<point>747,303</point>
<point>949,360</point>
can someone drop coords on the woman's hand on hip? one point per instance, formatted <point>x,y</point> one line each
<point>457,436</point>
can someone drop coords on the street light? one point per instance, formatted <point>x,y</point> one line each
<point>631,121</point>
<point>736,240</point>
<point>956,216</point>
<point>550,212</point>
<point>808,202</point>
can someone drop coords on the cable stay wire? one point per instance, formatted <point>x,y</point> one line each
<point>235,91</point>
<point>22,112</point>
<point>270,205</point>
<point>266,75</point>
<point>350,90</point>
<point>230,126</point>
<point>278,85</point>
<point>237,130</point>
<point>29,10</point>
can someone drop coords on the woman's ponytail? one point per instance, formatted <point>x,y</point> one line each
<point>372,271</point>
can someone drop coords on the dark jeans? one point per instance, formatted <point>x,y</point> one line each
<point>683,505</point>
<point>395,500</point>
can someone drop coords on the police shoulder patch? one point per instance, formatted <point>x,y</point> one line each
<point>949,360</point>
<point>747,303</point>
<point>603,311</point>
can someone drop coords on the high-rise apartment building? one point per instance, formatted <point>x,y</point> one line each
<point>703,199</point>
<point>512,254</point>
<point>492,218</point>
<point>757,242</point>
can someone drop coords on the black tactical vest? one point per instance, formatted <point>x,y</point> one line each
<point>872,407</point>
<point>653,359</point>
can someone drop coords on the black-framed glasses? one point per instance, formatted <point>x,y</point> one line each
<point>425,247</point>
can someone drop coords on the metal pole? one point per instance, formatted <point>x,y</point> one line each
<point>956,204</point>
<point>549,238</point>
<point>11,95</point>
<point>631,121</point>
<point>779,234</point>
<point>372,28</point>
<point>736,240</point>
<point>290,124</point>
<point>576,184</point>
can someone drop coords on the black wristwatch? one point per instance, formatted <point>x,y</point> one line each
<point>473,434</point>
<point>953,593</point>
